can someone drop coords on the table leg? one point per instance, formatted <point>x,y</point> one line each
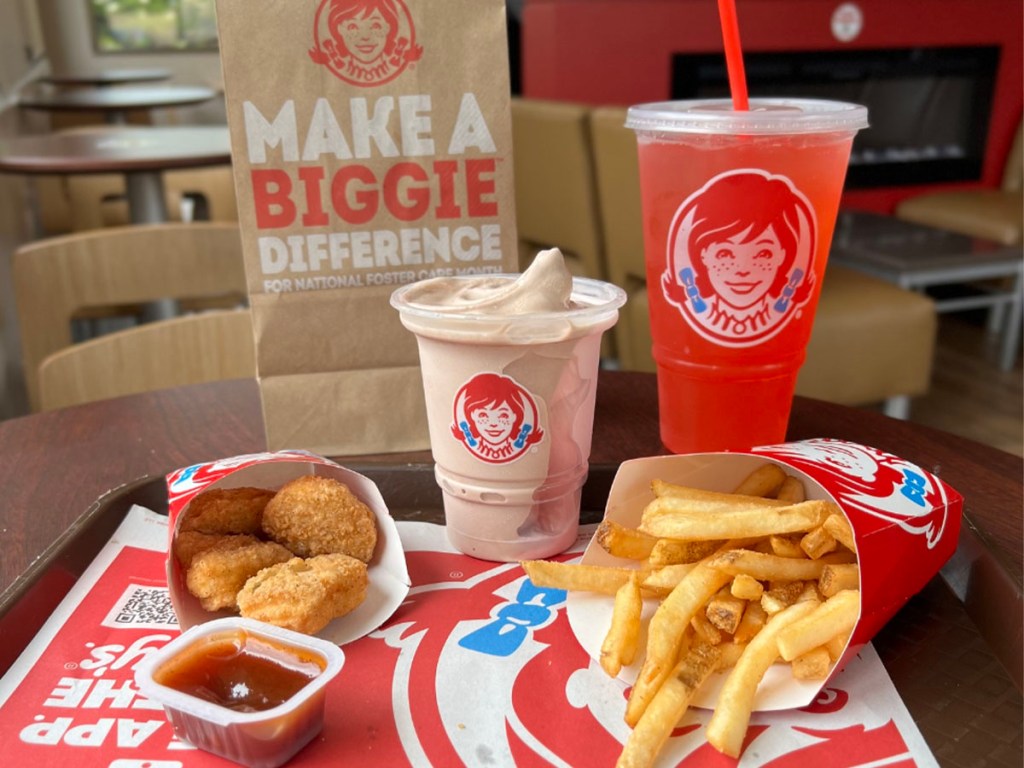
<point>1012,325</point>
<point>147,204</point>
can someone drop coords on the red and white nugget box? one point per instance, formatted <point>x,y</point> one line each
<point>906,522</point>
<point>388,575</point>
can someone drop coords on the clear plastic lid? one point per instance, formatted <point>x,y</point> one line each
<point>765,116</point>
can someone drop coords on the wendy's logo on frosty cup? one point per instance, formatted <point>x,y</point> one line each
<point>739,256</point>
<point>364,42</point>
<point>875,483</point>
<point>496,418</point>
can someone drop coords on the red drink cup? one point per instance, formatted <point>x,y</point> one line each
<point>738,208</point>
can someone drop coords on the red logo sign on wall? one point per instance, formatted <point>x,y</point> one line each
<point>496,418</point>
<point>364,42</point>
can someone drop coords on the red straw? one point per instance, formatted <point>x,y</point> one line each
<point>733,55</point>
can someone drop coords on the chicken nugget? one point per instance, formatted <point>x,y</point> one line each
<point>219,573</point>
<point>305,595</point>
<point>314,515</point>
<point>226,510</point>
<point>188,544</point>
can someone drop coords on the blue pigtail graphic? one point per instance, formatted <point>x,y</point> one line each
<point>795,278</point>
<point>690,284</point>
<point>470,440</point>
<point>523,432</point>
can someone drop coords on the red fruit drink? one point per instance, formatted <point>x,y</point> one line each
<point>738,210</point>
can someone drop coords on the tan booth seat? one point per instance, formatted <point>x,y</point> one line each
<point>872,342</point>
<point>993,214</point>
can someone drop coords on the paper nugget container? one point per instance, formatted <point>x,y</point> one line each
<point>388,574</point>
<point>906,523</point>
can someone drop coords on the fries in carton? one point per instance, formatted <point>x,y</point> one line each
<point>814,546</point>
<point>388,576</point>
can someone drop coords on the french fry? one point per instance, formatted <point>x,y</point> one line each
<point>754,618</point>
<point>835,616</point>
<point>764,481</point>
<point>818,542</point>
<point>709,501</point>
<point>672,517</point>
<point>620,644</point>
<point>813,665</point>
<point>836,578</point>
<point>730,652</point>
<point>728,724</point>
<point>786,546</point>
<point>621,541</point>
<point>583,578</point>
<point>674,551</point>
<point>781,596</point>
<point>725,611</point>
<point>704,630</point>
<point>746,587</point>
<point>838,526</point>
<point>837,645</point>
<point>664,632</point>
<point>762,566</point>
<point>661,581</point>
<point>667,707</point>
<point>792,490</point>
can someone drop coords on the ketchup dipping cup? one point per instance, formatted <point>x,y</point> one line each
<point>266,664</point>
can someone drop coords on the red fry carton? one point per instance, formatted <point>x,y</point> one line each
<point>906,523</point>
<point>388,576</point>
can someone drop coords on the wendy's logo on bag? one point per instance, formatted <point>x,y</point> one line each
<point>496,418</point>
<point>740,257</point>
<point>364,42</point>
<point>874,483</point>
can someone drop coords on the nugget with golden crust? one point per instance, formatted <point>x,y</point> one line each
<point>217,574</point>
<point>305,595</point>
<point>226,510</point>
<point>189,544</point>
<point>314,515</point>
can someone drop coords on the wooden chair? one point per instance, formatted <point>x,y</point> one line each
<point>60,279</point>
<point>872,342</point>
<point>184,350</point>
<point>556,204</point>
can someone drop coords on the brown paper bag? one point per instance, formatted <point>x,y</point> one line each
<point>371,145</point>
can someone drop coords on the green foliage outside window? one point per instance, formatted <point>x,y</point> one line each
<point>153,25</point>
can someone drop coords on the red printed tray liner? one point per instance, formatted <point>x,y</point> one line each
<point>476,667</point>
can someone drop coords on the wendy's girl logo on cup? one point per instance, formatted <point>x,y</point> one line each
<point>739,257</point>
<point>364,42</point>
<point>496,418</point>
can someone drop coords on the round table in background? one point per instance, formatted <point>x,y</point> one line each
<point>115,103</point>
<point>105,77</point>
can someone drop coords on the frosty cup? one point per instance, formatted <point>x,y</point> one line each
<point>738,210</point>
<point>510,409</point>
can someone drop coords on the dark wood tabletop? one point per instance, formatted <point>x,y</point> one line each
<point>942,653</point>
<point>115,99</point>
<point>105,77</point>
<point>106,149</point>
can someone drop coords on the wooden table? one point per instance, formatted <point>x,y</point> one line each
<point>115,103</point>
<point>54,465</point>
<point>141,154</point>
<point>107,77</point>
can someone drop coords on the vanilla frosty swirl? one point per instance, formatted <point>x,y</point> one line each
<point>542,304</point>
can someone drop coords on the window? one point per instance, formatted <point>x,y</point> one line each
<point>128,26</point>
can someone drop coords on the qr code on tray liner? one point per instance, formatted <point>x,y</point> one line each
<point>141,606</point>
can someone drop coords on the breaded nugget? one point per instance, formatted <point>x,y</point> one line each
<point>226,510</point>
<point>188,544</point>
<point>314,515</point>
<point>305,595</point>
<point>217,574</point>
